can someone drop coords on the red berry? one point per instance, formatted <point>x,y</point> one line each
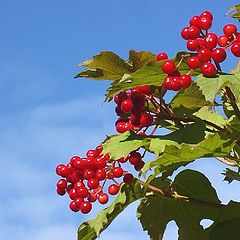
<point>162,56</point>
<point>62,184</point>
<point>122,160</point>
<point>175,83</point>
<point>137,109</point>
<point>193,62</point>
<point>210,41</point>
<point>193,32</point>
<point>103,198</point>
<point>134,157</point>
<point>61,192</point>
<point>78,201</point>
<point>118,110</point>
<point>92,153</point>
<point>128,178</point>
<point>85,207</point>
<point>79,163</point>
<point>120,97</point>
<point>138,166</point>
<point>219,55</point>
<point>100,174</point>
<point>90,163</point>
<point>120,127</point>
<point>167,82</point>
<point>229,29</point>
<point>192,45</point>
<point>74,206</point>
<point>208,69</point>
<point>204,54</point>
<point>135,119</point>
<point>72,193</point>
<point>235,49</point>
<point>146,120</point>
<point>58,168</point>
<point>222,41</point>
<point>113,189</point>
<point>88,174</point>
<point>93,183</point>
<point>138,100</point>
<point>83,192</point>
<point>168,67</point>
<point>127,126</point>
<point>100,163</point>
<point>145,89</point>
<point>207,14</point>
<point>185,81</point>
<point>205,23</point>
<point>194,21</point>
<point>184,33</point>
<point>92,197</point>
<point>63,171</point>
<point>117,172</point>
<point>126,105</point>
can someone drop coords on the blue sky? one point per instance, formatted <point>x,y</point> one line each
<point>47,116</point>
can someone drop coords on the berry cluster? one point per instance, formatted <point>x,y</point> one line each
<point>83,179</point>
<point>210,49</point>
<point>174,80</point>
<point>132,109</point>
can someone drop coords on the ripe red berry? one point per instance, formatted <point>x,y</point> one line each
<point>62,184</point>
<point>192,45</point>
<point>235,49</point>
<point>120,97</point>
<point>210,41</point>
<point>120,127</point>
<point>162,56</point>
<point>145,89</point>
<point>193,32</point>
<point>208,69</point>
<point>102,198</point>
<point>184,33</point>
<point>205,23</point>
<point>128,178</point>
<point>138,100</point>
<point>72,193</point>
<point>134,157</point>
<point>222,41</point>
<point>194,21</point>
<point>63,170</point>
<point>100,174</point>
<point>139,165</point>
<point>92,153</point>
<point>117,172</point>
<point>127,126</point>
<point>92,197</point>
<point>229,29</point>
<point>126,105</point>
<point>85,207</point>
<point>74,206</point>
<point>207,14</point>
<point>185,80</point>
<point>204,54</point>
<point>193,62</point>
<point>79,163</point>
<point>219,55</point>
<point>113,189</point>
<point>83,192</point>
<point>168,67</point>
<point>61,192</point>
<point>88,174</point>
<point>135,119</point>
<point>175,83</point>
<point>167,82</point>
<point>93,183</point>
<point>100,163</point>
<point>146,120</point>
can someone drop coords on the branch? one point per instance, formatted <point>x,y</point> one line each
<point>232,100</point>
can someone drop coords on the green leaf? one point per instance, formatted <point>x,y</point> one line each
<point>210,87</point>
<point>191,98</point>
<point>106,65</point>
<point>227,230</point>
<point>90,230</point>
<point>205,113</point>
<point>121,145</point>
<point>150,74</point>
<point>231,175</point>
<point>155,212</point>
<point>236,10</point>
<point>140,59</point>
<point>214,145</point>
